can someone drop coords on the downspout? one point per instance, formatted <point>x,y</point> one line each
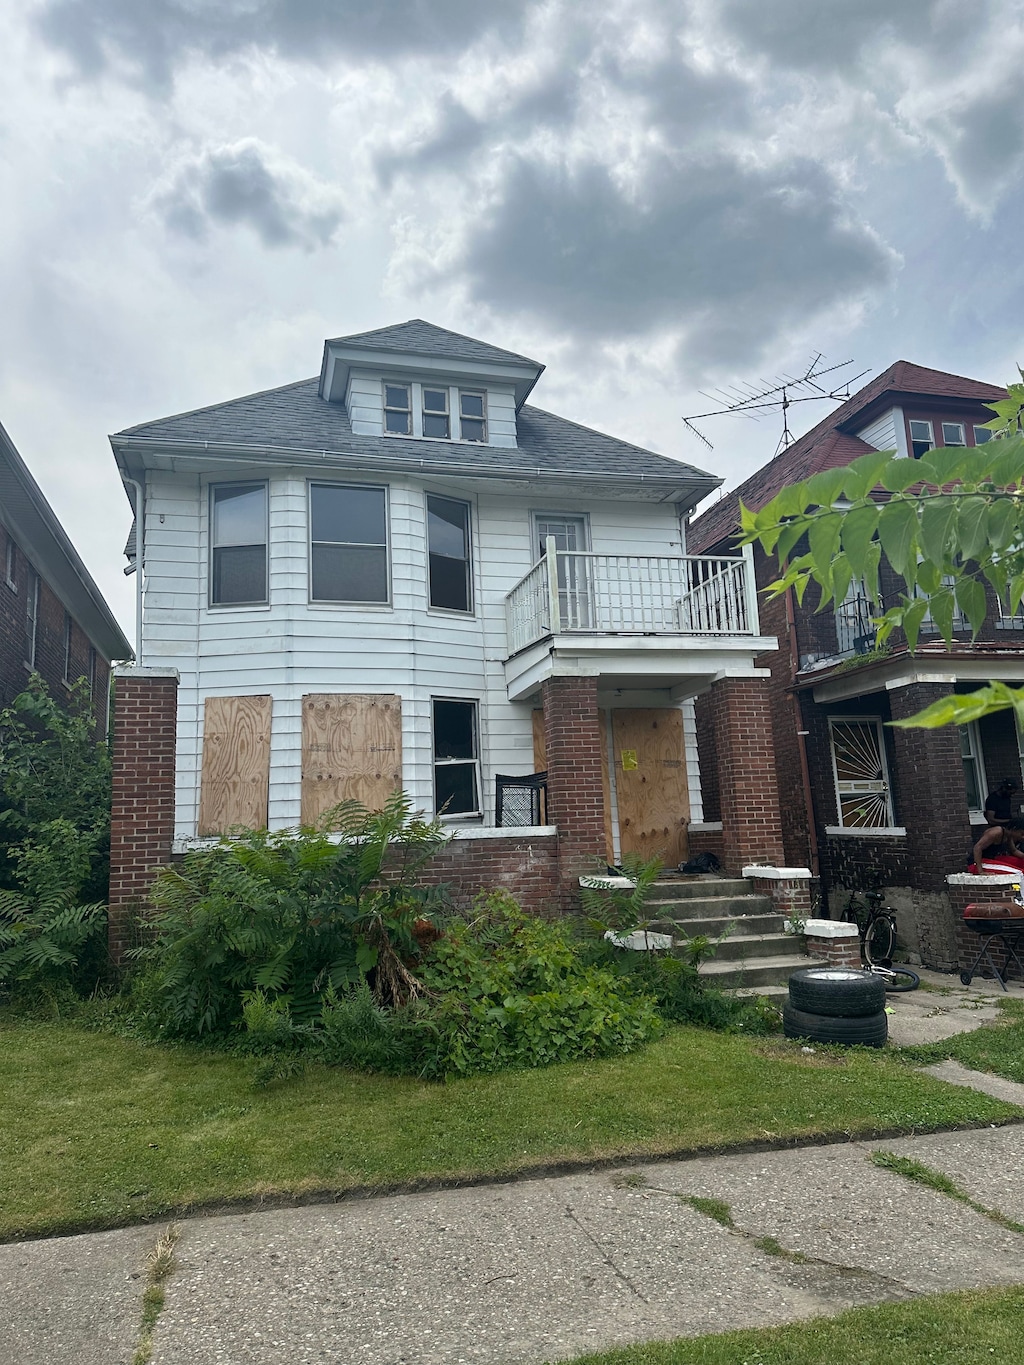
<point>805,775</point>
<point>140,511</point>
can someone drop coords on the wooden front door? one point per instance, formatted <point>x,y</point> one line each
<point>652,797</point>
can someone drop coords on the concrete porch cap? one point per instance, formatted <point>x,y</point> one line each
<point>779,874</point>
<point>985,879</point>
<point>829,928</point>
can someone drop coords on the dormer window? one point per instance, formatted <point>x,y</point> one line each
<point>953,434</point>
<point>922,438</point>
<point>436,421</point>
<point>397,410</point>
<point>472,417</point>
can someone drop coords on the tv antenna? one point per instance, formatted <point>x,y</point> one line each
<point>751,400</point>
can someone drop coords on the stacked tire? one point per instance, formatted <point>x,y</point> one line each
<point>836,1005</point>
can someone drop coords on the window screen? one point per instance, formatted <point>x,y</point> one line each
<point>349,546</point>
<point>238,517</point>
<point>448,553</point>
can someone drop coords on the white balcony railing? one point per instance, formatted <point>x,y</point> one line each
<point>572,590</point>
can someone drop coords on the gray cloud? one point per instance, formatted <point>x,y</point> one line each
<point>152,37</point>
<point>725,254</point>
<point>247,184</point>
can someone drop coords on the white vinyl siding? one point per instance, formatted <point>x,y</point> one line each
<point>881,433</point>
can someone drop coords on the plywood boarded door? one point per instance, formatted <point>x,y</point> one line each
<point>236,764</point>
<point>650,783</point>
<point>351,750</point>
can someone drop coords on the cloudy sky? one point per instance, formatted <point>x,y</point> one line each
<point>651,196</point>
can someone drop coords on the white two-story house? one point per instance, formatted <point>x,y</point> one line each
<point>401,573</point>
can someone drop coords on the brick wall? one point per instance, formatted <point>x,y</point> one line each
<point>745,758</point>
<point>575,796</point>
<point>142,815</point>
<point>525,866</point>
<point>965,890</point>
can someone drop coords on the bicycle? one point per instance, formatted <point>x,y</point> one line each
<point>876,925</point>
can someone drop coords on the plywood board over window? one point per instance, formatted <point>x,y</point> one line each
<point>236,764</point>
<point>650,783</point>
<point>351,750</point>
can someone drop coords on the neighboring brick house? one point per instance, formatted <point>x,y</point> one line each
<point>53,619</point>
<point>400,573</point>
<point>863,804</point>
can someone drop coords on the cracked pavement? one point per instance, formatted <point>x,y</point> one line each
<point>534,1270</point>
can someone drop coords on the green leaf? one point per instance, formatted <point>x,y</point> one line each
<point>970,598</point>
<point>1006,467</point>
<point>900,474</point>
<point>1003,522</point>
<point>863,473</point>
<point>960,710</point>
<point>1015,593</point>
<point>823,541</point>
<point>945,464</point>
<point>937,518</point>
<point>871,571</point>
<point>912,618</point>
<point>842,577</point>
<point>897,530</point>
<point>971,527</point>
<point>941,605</point>
<point>822,489</point>
<point>929,577</point>
<point>857,531</point>
<point>788,537</point>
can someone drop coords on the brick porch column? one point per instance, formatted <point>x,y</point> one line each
<point>142,815</point>
<point>744,759</point>
<point>572,736</point>
<point>930,787</point>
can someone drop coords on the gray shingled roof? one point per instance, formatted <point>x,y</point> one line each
<point>423,338</point>
<point>295,417</point>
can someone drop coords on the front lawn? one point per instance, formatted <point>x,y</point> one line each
<point>100,1130</point>
<point>945,1329</point>
<point>997,1047</point>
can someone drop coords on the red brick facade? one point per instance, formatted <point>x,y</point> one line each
<point>525,866</point>
<point>743,754</point>
<point>575,797</point>
<point>142,816</point>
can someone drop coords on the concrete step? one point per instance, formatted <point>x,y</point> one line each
<point>714,925</point>
<point>712,907</point>
<point>761,971</point>
<point>743,947</point>
<point>686,888</point>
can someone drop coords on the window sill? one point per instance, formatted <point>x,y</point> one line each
<point>861,832</point>
<point>453,613</point>
<point>218,607</point>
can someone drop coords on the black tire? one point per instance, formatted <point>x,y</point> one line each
<point>880,941</point>
<point>966,978</point>
<point>869,1030</point>
<point>900,979</point>
<point>838,991</point>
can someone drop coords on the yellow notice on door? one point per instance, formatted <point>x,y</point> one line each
<point>629,763</point>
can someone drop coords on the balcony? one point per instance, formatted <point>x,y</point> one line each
<point>635,620</point>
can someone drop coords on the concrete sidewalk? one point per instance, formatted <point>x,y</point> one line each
<point>529,1271</point>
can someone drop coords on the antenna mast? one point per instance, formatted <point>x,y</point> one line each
<point>750,401</point>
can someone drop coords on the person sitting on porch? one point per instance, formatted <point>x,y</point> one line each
<point>999,848</point>
<point>999,802</point>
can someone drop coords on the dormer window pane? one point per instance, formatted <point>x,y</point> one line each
<point>397,410</point>
<point>981,435</point>
<point>953,434</point>
<point>921,438</point>
<point>472,418</point>
<point>435,413</point>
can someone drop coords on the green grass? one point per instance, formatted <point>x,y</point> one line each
<point>932,1179</point>
<point>996,1047</point>
<point>101,1130</point>
<point>966,1328</point>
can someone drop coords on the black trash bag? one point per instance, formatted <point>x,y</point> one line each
<point>704,862</point>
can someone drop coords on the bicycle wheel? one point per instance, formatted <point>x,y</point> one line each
<point>899,979</point>
<point>879,941</point>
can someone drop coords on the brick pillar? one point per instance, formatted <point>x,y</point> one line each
<point>931,793</point>
<point>967,889</point>
<point>833,943</point>
<point>744,758</point>
<point>142,815</point>
<point>572,736</point>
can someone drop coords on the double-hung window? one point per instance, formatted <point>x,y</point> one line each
<point>436,421</point>
<point>448,552</point>
<point>349,543</point>
<point>974,768</point>
<point>981,435</point>
<point>953,434</point>
<point>922,437</point>
<point>456,758</point>
<point>238,544</point>
<point>472,417</point>
<point>397,410</point>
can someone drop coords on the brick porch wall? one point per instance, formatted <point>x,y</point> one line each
<point>142,814</point>
<point>744,756</point>
<point>575,798</point>
<point>966,889</point>
<point>526,866</point>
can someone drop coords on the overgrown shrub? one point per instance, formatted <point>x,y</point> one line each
<point>294,915</point>
<point>512,991</point>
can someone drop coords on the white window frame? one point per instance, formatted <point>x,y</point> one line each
<point>31,616</point>
<point>482,395</point>
<point>961,427</point>
<point>875,722</point>
<point>911,421</point>
<point>426,412</point>
<point>976,755</point>
<point>213,547</point>
<point>348,601</point>
<point>11,567</point>
<point>474,762</point>
<point>386,407</point>
<point>982,435</point>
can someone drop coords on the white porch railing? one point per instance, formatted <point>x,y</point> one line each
<point>572,590</point>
